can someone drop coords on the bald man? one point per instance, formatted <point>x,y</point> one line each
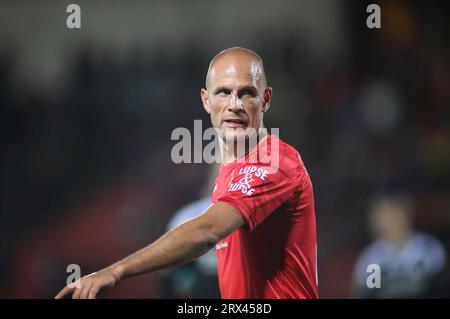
<point>262,219</point>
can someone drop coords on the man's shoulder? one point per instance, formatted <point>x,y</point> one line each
<point>285,160</point>
<point>288,154</point>
<point>274,155</point>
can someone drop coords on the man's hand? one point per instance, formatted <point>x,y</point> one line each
<point>178,246</point>
<point>89,286</point>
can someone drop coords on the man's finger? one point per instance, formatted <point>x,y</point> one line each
<point>77,293</point>
<point>85,292</point>
<point>93,293</point>
<point>64,292</point>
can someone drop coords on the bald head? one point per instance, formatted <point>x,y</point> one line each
<point>237,60</point>
<point>236,94</point>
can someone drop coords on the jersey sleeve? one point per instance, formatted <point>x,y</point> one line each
<point>258,190</point>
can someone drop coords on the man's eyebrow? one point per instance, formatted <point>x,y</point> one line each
<point>248,87</point>
<point>221,88</point>
<point>243,88</point>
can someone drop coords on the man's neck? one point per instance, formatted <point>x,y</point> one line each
<point>232,151</point>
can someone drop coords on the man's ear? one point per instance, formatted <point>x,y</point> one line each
<point>267,99</point>
<point>205,100</point>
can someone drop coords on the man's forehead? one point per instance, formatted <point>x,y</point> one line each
<point>232,69</point>
<point>232,73</point>
<point>235,80</point>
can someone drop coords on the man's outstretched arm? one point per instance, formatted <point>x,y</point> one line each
<point>178,246</point>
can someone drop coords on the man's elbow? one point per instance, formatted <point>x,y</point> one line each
<point>216,224</point>
<point>209,236</point>
<point>217,232</point>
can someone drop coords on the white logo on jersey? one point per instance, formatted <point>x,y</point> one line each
<point>244,184</point>
<point>222,244</point>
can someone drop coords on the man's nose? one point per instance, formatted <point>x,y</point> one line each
<point>235,104</point>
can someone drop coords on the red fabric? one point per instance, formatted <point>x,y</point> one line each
<point>275,255</point>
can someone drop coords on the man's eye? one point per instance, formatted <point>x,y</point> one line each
<point>224,92</point>
<point>247,94</point>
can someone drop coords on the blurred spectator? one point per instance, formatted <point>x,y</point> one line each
<point>197,279</point>
<point>409,260</point>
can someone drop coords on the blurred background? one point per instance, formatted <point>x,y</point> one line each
<point>87,114</point>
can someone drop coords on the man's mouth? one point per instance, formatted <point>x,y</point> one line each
<point>235,123</point>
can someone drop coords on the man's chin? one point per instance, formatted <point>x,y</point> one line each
<point>238,135</point>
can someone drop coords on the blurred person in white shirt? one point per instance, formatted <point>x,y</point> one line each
<point>409,260</point>
<point>197,279</point>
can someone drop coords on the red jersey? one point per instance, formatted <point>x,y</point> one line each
<point>275,255</point>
